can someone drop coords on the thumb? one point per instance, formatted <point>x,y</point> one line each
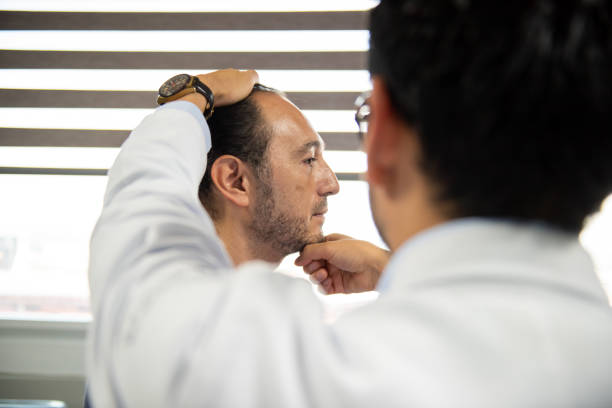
<point>337,237</point>
<point>314,252</point>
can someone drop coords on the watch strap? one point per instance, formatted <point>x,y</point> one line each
<point>194,85</point>
<point>208,94</point>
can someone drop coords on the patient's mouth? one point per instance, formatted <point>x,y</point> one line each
<point>320,209</point>
<point>320,215</point>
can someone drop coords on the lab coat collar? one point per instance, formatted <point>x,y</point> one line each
<point>481,248</point>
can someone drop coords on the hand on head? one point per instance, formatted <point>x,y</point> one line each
<point>227,85</point>
<point>230,85</point>
<point>343,265</point>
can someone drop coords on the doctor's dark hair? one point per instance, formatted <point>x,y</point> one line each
<point>511,101</point>
<point>238,130</point>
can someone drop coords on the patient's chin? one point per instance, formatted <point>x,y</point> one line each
<point>282,231</point>
<point>317,238</point>
<point>313,239</point>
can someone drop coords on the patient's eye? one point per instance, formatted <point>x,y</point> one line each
<point>309,161</point>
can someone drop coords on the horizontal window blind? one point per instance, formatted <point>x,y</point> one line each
<point>85,78</point>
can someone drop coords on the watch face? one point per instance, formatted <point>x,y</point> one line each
<point>174,85</point>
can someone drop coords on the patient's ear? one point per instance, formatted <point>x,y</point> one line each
<point>232,178</point>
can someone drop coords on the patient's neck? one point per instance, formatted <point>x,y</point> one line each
<point>241,247</point>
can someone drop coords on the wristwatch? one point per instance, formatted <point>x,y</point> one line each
<point>184,84</point>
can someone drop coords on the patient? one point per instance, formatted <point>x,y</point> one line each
<point>266,183</point>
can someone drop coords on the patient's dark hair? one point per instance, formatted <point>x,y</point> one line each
<point>511,100</point>
<point>238,130</point>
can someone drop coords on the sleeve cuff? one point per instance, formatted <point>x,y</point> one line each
<point>195,112</point>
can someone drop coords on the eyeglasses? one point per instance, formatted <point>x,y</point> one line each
<point>362,113</point>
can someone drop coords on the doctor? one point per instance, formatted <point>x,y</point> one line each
<point>488,145</point>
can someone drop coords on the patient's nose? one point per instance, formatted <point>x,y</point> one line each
<point>329,182</point>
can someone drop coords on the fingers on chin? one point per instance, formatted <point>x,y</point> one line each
<point>313,267</point>
<point>323,282</point>
<point>327,284</point>
<point>321,274</point>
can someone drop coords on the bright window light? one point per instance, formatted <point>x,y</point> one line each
<point>127,119</point>
<point>353,197</point>
<point>342,161</point>
<point>186,5</point>
<point>103,158</point>
<point>151,79</point>
<point>69,118</point>
<point>597,239</point>
<point>332,120</point>
<point>58,157</point>
<point>46,223</point>
<point>186,41</point>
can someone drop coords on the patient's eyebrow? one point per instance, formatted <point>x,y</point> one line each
<point>317,144</point>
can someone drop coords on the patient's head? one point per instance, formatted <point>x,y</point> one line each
<point>266,182</point>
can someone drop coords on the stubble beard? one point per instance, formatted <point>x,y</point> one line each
<point>273,227</point>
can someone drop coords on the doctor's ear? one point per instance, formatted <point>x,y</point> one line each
<point>382,141</point>
<point>391,144</point>
<point>231,177</point>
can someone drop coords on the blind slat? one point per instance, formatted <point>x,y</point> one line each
<point>339,20</point>
<point>114,138</point>
<point>351,60</point>
<point>37,98</point>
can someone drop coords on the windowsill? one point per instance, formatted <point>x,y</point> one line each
<point>36,321</point>
<point>41,346</point>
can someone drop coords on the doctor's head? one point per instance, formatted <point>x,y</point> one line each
<point>266,182</point>
<point>490,109</point>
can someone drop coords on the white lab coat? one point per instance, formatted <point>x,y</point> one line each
<point>476,313</point>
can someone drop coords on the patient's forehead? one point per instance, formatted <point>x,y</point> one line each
<point>290,129</point>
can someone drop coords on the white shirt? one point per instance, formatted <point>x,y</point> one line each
<point>475,313</point>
